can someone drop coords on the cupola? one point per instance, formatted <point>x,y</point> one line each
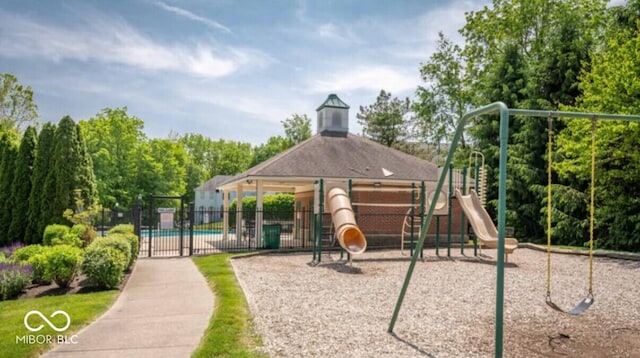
<point>333,117</point>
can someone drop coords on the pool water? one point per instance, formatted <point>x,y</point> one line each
<point>176,232</point>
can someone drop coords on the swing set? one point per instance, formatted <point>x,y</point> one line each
<point>504,112</point>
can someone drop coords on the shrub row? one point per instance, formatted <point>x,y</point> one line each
<point>13,279</point>
<point>104,260</point>
<point>50,263</point>
<point>79,235</point>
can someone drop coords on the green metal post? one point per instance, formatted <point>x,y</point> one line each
<point>464,192</point>
<point>477,183</point>
<point>502,210</point>
<point>449,217</point>
<point>413,195</point>
<point>314,222</point>
<point>437,235</point>
<point>454,143</point>
<point>423,196</point>
<point>320,219</point>
<point>477,178</point>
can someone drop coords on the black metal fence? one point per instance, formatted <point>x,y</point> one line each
<point>109,218</point>
<point>184,231</point>
<point>204,232</point>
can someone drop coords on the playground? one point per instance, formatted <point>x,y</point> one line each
<point>449,309</point>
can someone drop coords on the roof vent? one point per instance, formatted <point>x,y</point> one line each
<point>333,117</point>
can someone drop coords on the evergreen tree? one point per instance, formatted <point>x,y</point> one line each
<point>39,197</point>
<point>71,171</point>
<point>506,80</point>
<point>384,121</point>
<point>86,178</point>
<point>21,186</point>
<point>7,163</point>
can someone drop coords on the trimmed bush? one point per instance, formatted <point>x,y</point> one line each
<point>62,262</point>
<point>104,266</point>
<point>121,229</point>
<point>23,254</point>
<point>13,279</point>
<point>54,232</point>
<point>84,233</point>
<point>3,258</point>
<point>133,242</point>
<point>34,256</point>
<point>118,242</point>
<point>39,263</point>
<point>70,239</point>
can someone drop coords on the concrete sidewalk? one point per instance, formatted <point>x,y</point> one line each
<point>162,312</point>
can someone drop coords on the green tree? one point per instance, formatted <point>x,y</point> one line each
<point>40,194</point>
<point>297,128</point>
<point>113,138</point>
<point>230,157</point>
<point>21,186</point>
<point>72,171</point>
<point>170,162</point>
<point>385,121</point>
<point>609,87</point>
<point>17,109</point>
<point>274,145</point>
<point>505,82</point>
<point>8,155</point>
<point>445,98</point>
<point>526,53</point>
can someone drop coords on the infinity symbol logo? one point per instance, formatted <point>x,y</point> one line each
<point>54,327</point>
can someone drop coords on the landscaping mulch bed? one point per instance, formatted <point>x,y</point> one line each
<point>78,286</point>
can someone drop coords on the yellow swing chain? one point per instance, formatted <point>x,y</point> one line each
<point>549,168</point>
<point>594,127</point>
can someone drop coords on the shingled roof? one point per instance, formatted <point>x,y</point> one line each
<point>350,157</point>
<point>213,183</point>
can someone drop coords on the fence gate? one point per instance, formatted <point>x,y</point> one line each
<point>166,230</point>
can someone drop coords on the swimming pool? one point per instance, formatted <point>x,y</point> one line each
<point>176,232</point>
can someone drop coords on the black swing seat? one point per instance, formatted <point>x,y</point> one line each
<point>580,308</point>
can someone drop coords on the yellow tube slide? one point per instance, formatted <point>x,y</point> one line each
<point>349,235</point>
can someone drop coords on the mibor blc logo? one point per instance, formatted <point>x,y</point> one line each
<point>31,325</point>
<point>54,327</point>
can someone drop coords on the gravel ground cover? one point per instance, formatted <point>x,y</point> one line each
<point>337,309</point>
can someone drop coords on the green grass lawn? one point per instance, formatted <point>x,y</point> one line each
<point>82,309</point>
<point>230,332</point>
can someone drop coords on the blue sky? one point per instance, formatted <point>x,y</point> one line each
<point>226,69</point>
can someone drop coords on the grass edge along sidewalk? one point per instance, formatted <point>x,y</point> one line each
<point>81,308</point>
<point>230,331</point>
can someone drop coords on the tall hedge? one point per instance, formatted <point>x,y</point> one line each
<point>21,186</point>
<point>278,206</point>
<point>71,171</point>
<point>8,154</point>
<point>42,166</point>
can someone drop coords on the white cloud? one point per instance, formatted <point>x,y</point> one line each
<point>191,16</point>
<point>111,40</point>
<point>367,77</point>
<point>272,103</point>
<point>617,3</point>
<point>416,38</point>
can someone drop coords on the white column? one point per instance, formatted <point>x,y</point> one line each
<point>239,213</point>
<point>225,215</point>
<point>259,200</point>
